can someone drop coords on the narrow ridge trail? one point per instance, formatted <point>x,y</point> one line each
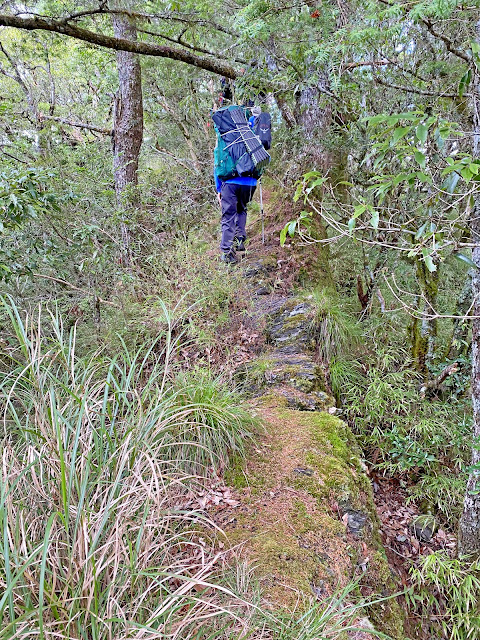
<point>305,516</point>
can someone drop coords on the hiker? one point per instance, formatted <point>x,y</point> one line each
<point>233,196</point>
<point>239,161</point>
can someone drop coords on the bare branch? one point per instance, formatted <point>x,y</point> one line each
<point>79,125</point>
<point>412,89</point>
<point>75,288</point>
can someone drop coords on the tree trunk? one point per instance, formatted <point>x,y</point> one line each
<point>127,122</point>
<point>424,331</point>
<point>469,528</point>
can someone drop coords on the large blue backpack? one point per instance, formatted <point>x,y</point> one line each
<point>239,151</point>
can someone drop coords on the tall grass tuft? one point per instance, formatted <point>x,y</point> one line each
<point>99,535</point>
<point>215,422</point>
<point>335,329</point>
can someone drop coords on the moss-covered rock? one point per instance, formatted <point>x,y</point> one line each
<point>306,518</point>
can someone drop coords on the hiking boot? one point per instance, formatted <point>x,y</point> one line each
<point>229,258</point>
<point>239,244</point>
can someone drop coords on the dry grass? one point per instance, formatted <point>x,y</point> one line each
<point>100,536</point>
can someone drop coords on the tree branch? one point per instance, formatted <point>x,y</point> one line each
<point>187,45</point>
<point>79,125</point>
<point>420,92</point>
<point>117,44</point>
<point>436,382</point>
<point>183,18</point>
<point>446,40</point>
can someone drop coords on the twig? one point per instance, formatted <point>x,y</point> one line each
<point>75,288</point>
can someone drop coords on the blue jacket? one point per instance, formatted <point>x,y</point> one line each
<point>246,180</point>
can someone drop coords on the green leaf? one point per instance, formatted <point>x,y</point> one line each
<point>421,133</point>
<point>467,175</point>
<point>359,209</point>
<point>474,168</point>
<point>400,178</point>
<point>315,183</point>
<point>464,258</point>
<point>398,134</point>
<point>420,158</point>
<point>351,224</point>
<point>305,214</point>
<point>421,231</point>
<point>431,266</point>
<point>375,219</point>
<point>291,228</point>
<point>464,82</point>
<point>423,177</point>
<point>283,236</point>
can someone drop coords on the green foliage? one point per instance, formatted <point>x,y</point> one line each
<point>445,595</point>
<point>25,196</point>
<point>333,619</point>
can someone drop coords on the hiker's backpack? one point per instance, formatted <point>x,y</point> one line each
<point>262,125</point>
<point>239,151</point>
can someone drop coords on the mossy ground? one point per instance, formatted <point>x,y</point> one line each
<point>297,482</point>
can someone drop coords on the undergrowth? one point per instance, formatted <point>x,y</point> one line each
<point>100,530</point>
<point>445,596</point>
<point>425,440</point>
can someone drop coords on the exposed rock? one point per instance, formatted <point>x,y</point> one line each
<point>263,291</point>
<point>305,472</point>
<point>356,520</point>
<point>424,526</point>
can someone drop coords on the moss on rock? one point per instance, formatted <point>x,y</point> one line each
<point>307,513</point>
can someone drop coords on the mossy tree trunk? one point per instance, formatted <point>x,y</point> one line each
<point>423,330</point>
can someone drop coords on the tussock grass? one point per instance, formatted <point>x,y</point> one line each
<point>100,537</point>
<point>335,329</point>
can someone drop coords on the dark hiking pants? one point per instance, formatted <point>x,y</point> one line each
<point>235,198</point>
